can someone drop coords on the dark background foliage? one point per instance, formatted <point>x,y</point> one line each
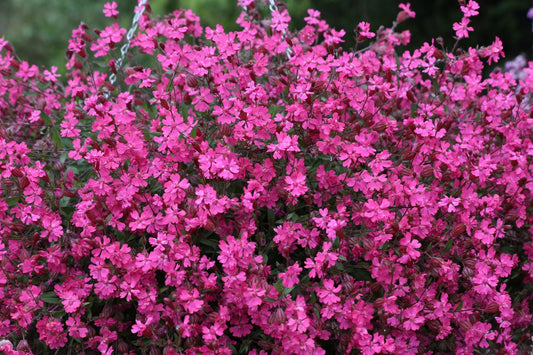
<point>39,29</point>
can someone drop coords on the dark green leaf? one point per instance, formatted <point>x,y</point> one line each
<point>56,138</point>
<point>12,201</point>
<point>279,286</point>
<point>448,245</point>
<point>50,297</point>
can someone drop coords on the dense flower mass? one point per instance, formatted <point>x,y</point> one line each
<point>265,191</point>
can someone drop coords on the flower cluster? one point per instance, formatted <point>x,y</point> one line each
<point>224,198</point>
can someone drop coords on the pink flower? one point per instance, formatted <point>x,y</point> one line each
<point>407,8</point>
<point>51,332</point>
<point>410,249</point>
<point>479,334</point>
<point>364,31</point>
<point>290,277</point>
<point>484,280</point>
<point>286,143</point>
<point>190,301</point>
<point>327,295</point>
<point>471,9</point>
<point>296,184</point>
<point>280,20</point>
<point>461,29</point>
<point>110,9</point>
<point>495,51</point>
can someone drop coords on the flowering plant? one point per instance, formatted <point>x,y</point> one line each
<point>224,197</point>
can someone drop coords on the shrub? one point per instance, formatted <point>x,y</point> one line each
<point>265,191</point>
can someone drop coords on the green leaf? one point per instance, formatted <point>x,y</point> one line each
<point>317,313</point>
<point>459,307</point>
<point>50,297</point>
<point>209,242</point>
<point>279,286</point>
<point>293,217</point>
<point>273,110</point>
<point>12,201</point>
<point>508,249</point>
<point>64,201</point>
<point>398,62</point>
<point>361,275</point>
<point>193,132</point>
<point>270,217</point>
<point>448,245</point>
<point>56,138</point>
<point>313,298</point>
<point>287,290</point>
<point>47,120</point>
<point>414,108</point>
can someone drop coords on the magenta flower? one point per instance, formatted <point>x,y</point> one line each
<point>461,29</point>
<point>110,9</point>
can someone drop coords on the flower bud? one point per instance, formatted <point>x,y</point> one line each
<point>468,273</point>
<point>164,104</point>
<point>122,346</point>
<point>169,350</point>
<point>17,172</point>
<point>191,81</point>
<point>409,155</point>
<point>465,325</point>
<point>23,346</point>
<point>209,225</point>
<point>24,182</point>
<point>380,126</point>
<point>470,263</point>
<point>447,176</point>
<point>492,307</point>
<point>427,171</point>
<point>511,216</point>
<point>91,332</point>
<point>375,287</point>
<point>154,350</point>
<point>405,171</point>
<point>353,242</point>
<point>86,37</point>
<point>277,316</point>
<point>347,283</point>
<point>437,262</point>
<point>18,227</point>
<point>402,16</point>
<point>58,165</point>
<point>434,325</point>
<point>368,243</point>
<point>378,304</point>
<point>410,96</point>
<point>8,183</point>
<point>458,230</point>
<point>225,130</point>
<point>107,311</point>
<point>265,344</point>
<point>437,54</point>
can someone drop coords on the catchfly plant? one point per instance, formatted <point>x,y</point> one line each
<point>186,190</point>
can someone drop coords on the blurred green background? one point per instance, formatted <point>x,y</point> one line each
<point>40,29</point>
